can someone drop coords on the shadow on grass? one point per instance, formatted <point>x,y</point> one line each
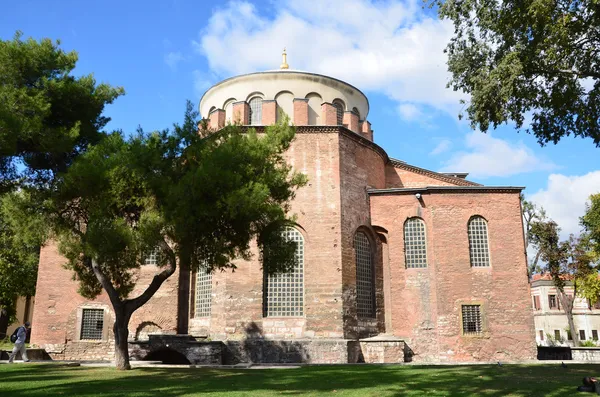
<point>362,380</point>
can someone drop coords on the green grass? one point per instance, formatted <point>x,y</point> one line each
<point>365,381</point>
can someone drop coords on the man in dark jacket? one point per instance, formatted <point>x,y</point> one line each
<point>20,343</point>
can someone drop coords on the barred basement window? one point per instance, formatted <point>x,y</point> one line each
<point>203,294</point>
<point>339,106</point>
<point>471,316</point>
<point>255,111</point>
<point>285,292</point>
<point>92,324</point>
<point>478,242</point>
<point>415,246</point>
<point>365,304</point>
<point>151,258</point>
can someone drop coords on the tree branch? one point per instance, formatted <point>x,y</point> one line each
<point>105,282</point>
<point>157,280</point>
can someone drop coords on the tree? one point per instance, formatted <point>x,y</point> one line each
<point>591,223</point>
<point>47,116</point>
<point>22,232</point>
<point>197,199</point>
<point>531,215</point>
<point>530,57</point>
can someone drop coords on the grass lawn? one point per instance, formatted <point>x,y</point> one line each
<point>364,381</point>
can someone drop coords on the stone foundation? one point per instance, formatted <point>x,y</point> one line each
<point>591,354</point>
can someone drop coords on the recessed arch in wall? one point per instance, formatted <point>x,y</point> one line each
<point>285,105</point>
<point>341,107</point>
<point>314,108</point>
<point>228,107</point>
<point>355,110</point>
<point>365,273</point>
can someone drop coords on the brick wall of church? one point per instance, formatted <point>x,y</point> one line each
<point>426,303</point>
<point>57,318</point>
<point>361,167</point>
<point>237,307</point>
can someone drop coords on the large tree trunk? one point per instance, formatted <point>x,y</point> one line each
<point>183,298</point>
<point>567,305</point>
<point>121,331</point>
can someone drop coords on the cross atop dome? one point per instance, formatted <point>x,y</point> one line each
<point>284,64</point>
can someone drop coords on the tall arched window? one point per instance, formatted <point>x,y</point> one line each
<point>255,111</point>
<point>203,294</point>
<point>478,242</point>
<point>415,243</point>
<point>365,300</point>
<point>339,106</point>
<point>284,292</point>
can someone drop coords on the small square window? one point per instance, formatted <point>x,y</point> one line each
<point>552,302</point>
<point>471,318</point>
<point>541,335</point>
<point>595,334</point>
<point>581,334</point>
<point>557,334</point>
<point>92,324</point>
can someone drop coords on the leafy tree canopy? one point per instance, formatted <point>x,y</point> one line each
<point>516,58</point>
<point>591,223</point>
<point>47,116</point>
<point>22,232</point>
<point>199,200</point>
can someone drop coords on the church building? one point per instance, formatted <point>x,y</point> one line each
<point>395,262</point>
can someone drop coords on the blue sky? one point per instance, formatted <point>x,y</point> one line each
<point>164,52</point>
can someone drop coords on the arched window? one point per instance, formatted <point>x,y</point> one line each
<point>339,106</point>
<point>355,110</point>
<point>255,111</point>
<point>365,301</point>
<point>285,291</point>
<point>478,242</point>
<point>203,294</point>
<point>415,245</point>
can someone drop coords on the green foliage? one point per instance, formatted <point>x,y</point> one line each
<point>208,195</point>
<point>588,343</point>
<point>533,57</point>
<point>591,223</point>
<point>47,116</point>
<point>22,232</point>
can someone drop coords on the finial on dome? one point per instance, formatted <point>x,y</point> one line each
<point>284,64</point>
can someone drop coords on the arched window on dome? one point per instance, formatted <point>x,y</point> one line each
<point>478,242</point>
<point>415,243</point>
<point>355,110</point>
<point>365,297</point>
<point>339,106</point>
<point>284,292</point>
<point>255,111</point>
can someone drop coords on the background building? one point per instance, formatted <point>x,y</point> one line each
<point>396,262</point>
<point>551,324</point>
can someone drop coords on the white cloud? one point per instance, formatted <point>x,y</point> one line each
<point>564,199</point>
<point>409,111</point>
<point>443,146</point>
<point>391,47</point>
<point>173,58</point>
<point>488,156</point>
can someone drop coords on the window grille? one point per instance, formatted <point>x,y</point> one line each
<point>581,334</point>
<point>365,304</point>
<point>415,246</point>
<point>203,294</point>
<point>285,291</point>
<point>152,258</point>
<point>255,111</point>
<point>557,334</point>
<point>339,106</point>
<point>471,316</point>
<point>478,242</point>
<point>595,334</point>
<point>92,324</point>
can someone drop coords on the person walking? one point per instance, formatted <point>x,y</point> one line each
<point>20,343</point>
